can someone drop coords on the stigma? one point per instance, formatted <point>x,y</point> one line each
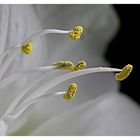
<point>27,48</point>
<point>75,34</point>
<point>124,73</point>
<point>71,92</point>
<point>70,66</point>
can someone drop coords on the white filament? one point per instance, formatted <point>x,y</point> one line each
<point>46,31</point>
<point>68,76</point>
<point>22,94</point>
<point>33,37</point>
<point>8,80</point>
<point>44,89</point>
<point>20,110</point>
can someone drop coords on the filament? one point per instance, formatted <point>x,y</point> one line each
<point>23,108</point>
<point>14,77</point>
<point>68,76</point>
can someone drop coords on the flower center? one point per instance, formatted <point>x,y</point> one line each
<point>17,107</point>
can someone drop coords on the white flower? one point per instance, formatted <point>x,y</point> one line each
<point>97,103</point>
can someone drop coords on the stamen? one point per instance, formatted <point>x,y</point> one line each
<point>60,65</point>
<point>124,73</point>
<point>67,95</point>
<point>80,66</point>
<point>63,65</point>
<point>75,34</point>
<point>71,92</point>
<point>21,103</point>
<point>16,76</point>
<point>47,86</point>
<point>33,37</point>
<point>26,48</point>
<point>68,65</point>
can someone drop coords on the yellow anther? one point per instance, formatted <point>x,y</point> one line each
<point>63,65</point>
<point>71,92</point>
<point>80,66</point>
<point>124,73</point>
<point>26,48</point>
<point>75,34</point>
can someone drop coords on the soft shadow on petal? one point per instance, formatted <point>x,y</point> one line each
<point>100,24</point>
<point>109,114</point>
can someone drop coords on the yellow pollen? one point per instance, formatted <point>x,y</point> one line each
<point>63,65</point>
<point>26,48</point>
<point>75,34</point>
<point>71,92</point>
<point>124,73</point>
<point>80,66</point>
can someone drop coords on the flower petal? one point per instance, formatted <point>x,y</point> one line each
<point>3,128</point>
<point>109,114</point>
<point>17,22</point>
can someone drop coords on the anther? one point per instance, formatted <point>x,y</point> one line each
<point>26,48</point>
<point>71,92</point>
<point>75,34</point>
<point>63,65</point>
<point>80,66</point>
<point>124,73</point>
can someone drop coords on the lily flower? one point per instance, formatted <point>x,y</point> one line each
<point>68,95</point>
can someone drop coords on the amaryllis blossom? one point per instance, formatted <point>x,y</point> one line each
<point>45,61</point>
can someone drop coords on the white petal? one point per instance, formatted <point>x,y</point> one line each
<point>89,48</point>
<point>110,114</point>
<point>23,22</point>
<point>3,128</point>
<point>17,22</point>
